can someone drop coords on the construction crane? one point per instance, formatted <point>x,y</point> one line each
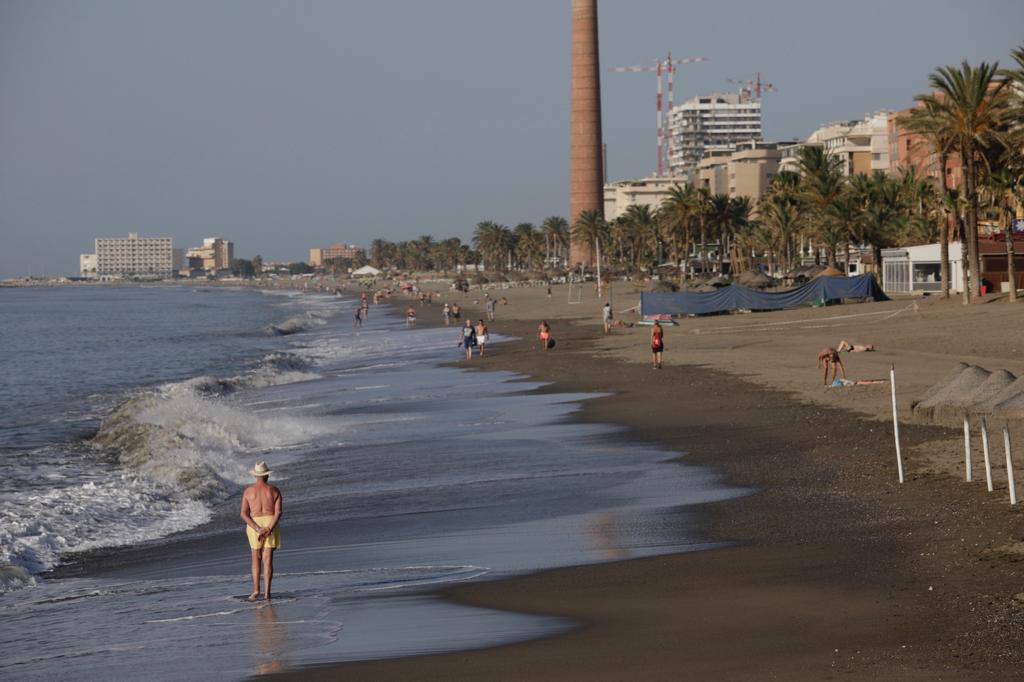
<point>754,88</point>
<point>662,67</point>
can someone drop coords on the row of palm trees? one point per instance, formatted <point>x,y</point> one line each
<point>816,210</point>
<point>495,246</point>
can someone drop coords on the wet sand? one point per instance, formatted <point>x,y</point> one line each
<point>836,569</point>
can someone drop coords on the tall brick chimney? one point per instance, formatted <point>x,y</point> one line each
<point>586,176</point>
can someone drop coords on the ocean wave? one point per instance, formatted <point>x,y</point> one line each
<point>185,436</point>
<point>299,323</point>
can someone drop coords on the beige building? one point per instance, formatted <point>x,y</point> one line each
<point>134,256</point>
<point>214,255</point>
<point>651,191</point>
<point>746,172</point>
<point>862,146</point>
<point>87,265</point>
<point>320,255</point>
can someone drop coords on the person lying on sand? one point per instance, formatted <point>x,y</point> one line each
<point>830,357</point>
<point>847,347</point>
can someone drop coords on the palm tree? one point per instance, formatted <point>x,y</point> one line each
<point>556,237</point>
<point>527,245</point>
<point>1007,189</point>
<point>884,216</point>
<point>719,215</point>
<point>969,105</point>
<point>740,209</point>
<point>675,216</point>
<point>820,185</point>
<point>925,122</point>
<point>642,225</point>
<point>592,230</point>
<point>700,200</point>
<point>494,242</point>
<point>781,218</point>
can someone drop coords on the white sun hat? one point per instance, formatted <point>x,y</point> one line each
<point>261,470</point>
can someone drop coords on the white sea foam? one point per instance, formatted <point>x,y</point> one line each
<point>38,526</point>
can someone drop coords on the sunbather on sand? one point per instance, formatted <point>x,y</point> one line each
<point>847,347</point>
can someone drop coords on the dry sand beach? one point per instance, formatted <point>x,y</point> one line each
<point>836,570</point>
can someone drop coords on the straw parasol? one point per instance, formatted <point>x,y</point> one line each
<point>828,272</point>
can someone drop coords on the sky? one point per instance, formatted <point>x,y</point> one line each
<point>287,125</point>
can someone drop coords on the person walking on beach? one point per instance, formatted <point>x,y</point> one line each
<point>544,334</point>
<point>606,316</point>
<point>446,315</point>
<point>467,338</point>
<point>410,317</point>
<point>261,511</point>
<point>490,306</point>
<point>657,344</point>
<point>456,312</point>
<point>359,318</point>
<point>481,336</point>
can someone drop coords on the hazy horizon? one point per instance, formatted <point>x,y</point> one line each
<point>286,126</point>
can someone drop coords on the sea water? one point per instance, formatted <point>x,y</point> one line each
<point>132,419</point>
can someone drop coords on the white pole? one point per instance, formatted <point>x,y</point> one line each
<point>895,421</point>
<point>1009,466</point>
<point>967,449</point>
<point>597,243</point>
<point>984,445</point>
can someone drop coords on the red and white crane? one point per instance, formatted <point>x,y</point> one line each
<point>662,67</point>
<point>754,88</point>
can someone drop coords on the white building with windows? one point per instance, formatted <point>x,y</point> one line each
<point>917,268</point>
<point>134,256</point>
<point>708,123</point>
<point>87,265</point>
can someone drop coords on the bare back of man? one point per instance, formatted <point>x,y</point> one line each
<point>261,511</point>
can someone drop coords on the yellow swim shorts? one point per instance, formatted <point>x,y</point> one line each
<point>273,541</point>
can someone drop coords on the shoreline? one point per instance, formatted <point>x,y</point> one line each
<point>834,568</point>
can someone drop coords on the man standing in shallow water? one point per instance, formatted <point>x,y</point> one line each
<point>261,511</point>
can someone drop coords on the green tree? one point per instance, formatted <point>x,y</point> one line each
<point>970,104</point>
<point>591,229</point>
<point>556,238</point>
<point>932,127</point>
<point>494,242</point>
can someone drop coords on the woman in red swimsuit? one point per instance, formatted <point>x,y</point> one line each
<point>657,344</point>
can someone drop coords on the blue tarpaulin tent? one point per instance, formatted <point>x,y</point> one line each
<point>735,297</point>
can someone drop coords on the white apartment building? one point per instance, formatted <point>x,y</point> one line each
<point>134,256</point>
<point>710,123</point>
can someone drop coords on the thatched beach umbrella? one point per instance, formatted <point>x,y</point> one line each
<point>755,279</point>
<point>828,272</point>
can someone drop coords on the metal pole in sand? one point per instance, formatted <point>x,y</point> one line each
<point>1009,466</point>
<point>984,446</point>
<point>967,449</point>
<point>895,421</point>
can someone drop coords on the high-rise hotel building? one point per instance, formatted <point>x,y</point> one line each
<point>134,256</point>
<point>711,123</point>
